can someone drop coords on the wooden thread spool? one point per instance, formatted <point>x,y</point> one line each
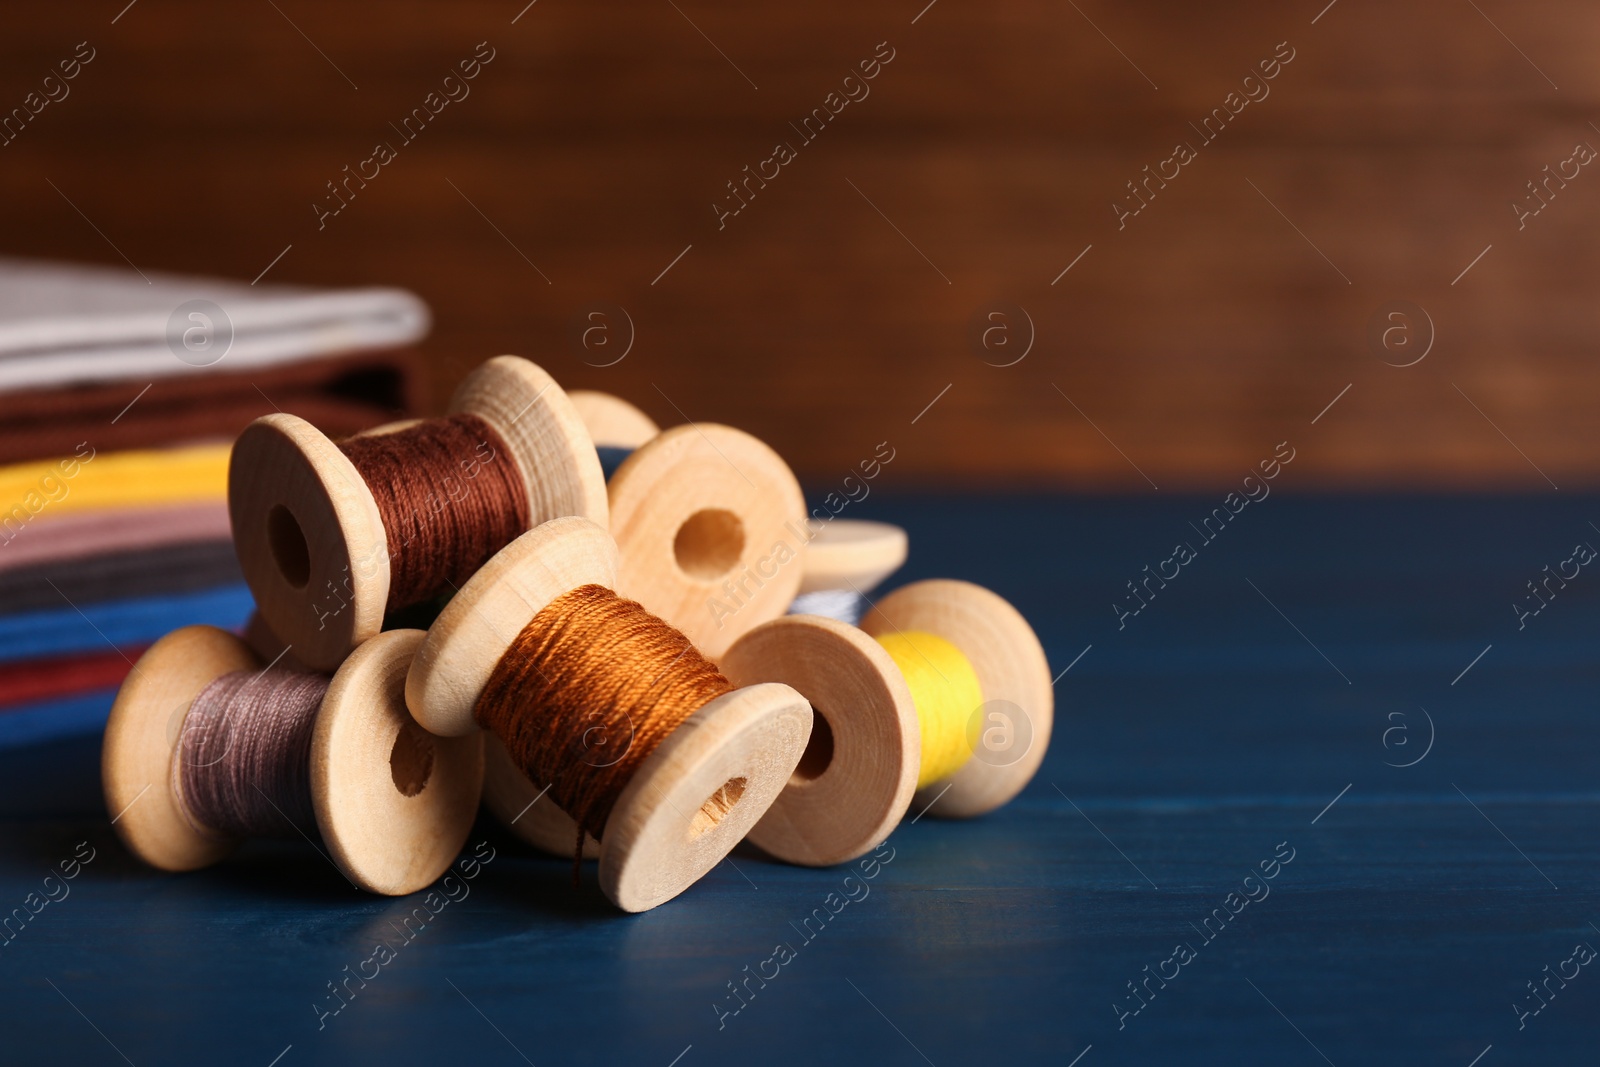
<point>842,555</point>
<point>310,537</point>
<point>692,798</point>
<point>846,557</point>
<point>393,803</point>
<point>845,561</point>
<point>611,421</point>
<point>685,521</point>
<point>710,522</point>
<point>859,772</point>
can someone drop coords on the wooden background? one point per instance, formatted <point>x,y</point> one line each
<point>598,138</point>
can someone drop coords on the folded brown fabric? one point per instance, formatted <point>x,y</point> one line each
<point>338,394</point>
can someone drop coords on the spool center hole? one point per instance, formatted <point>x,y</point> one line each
<point>716,807</point>
<point>819,750</point>
<point>287,543</point>
<point>709,543</point>
<point>411,759</point>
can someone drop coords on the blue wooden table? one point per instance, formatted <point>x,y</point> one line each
<point>1328,797</point>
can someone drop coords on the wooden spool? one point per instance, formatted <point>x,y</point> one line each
<point>702,788</point>
<point>611,421</point>
<point>695,507</point>
<point>394,804</point>
<point>526,809</point>
<point>859,769</point>
<point>833,810</point>
<point>710,524</point>
<point>1010,737</point>
<point>308,533</point>
<point>268,646</point>
<point>851,554</point>
<point>683,480</point>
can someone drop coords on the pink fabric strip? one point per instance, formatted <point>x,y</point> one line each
<point>74,535</point>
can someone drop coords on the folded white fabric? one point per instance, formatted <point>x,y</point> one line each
<point>66,323</point>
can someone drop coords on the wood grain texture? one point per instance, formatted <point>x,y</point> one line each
<point>544,433</point>
<point>525,809</point>
<point>700,792</point>
<point>481,621</point>
<point>695,507</point>
<point>830,312</point>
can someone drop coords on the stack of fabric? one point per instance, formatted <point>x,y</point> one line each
<point>120,395</point>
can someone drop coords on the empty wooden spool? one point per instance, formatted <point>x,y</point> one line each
<point>694,797</point>
<point>393,803</point>
<point>710,522</point>
<point>309,535</point>
<point>611,421</point>
<point>852,554</point>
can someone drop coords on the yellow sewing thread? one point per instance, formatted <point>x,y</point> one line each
<point>945,689</point>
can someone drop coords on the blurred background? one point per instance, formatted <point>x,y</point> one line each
<point>850,301</point>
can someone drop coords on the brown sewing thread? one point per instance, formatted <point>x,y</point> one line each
<point>587,691</point>
<point>450,496</point>
<point>244,766</point>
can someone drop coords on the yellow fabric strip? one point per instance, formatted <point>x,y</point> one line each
<point>945,689</point>
<point>89,480</point>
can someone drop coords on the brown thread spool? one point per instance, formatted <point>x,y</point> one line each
<point>311,533</point>
<point>685,520</point>
<point>850,556</point>
<point>393,804</point>
<point>692,797</point>
<point>859,772</point>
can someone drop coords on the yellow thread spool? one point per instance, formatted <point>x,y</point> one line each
<point>944,686</point>
<point>943,683</point>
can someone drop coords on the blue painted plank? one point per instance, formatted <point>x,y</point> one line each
<point>1248,710</point>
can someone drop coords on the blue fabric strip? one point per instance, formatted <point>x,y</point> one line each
<point>48,720</point>
<point>94,627</point>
